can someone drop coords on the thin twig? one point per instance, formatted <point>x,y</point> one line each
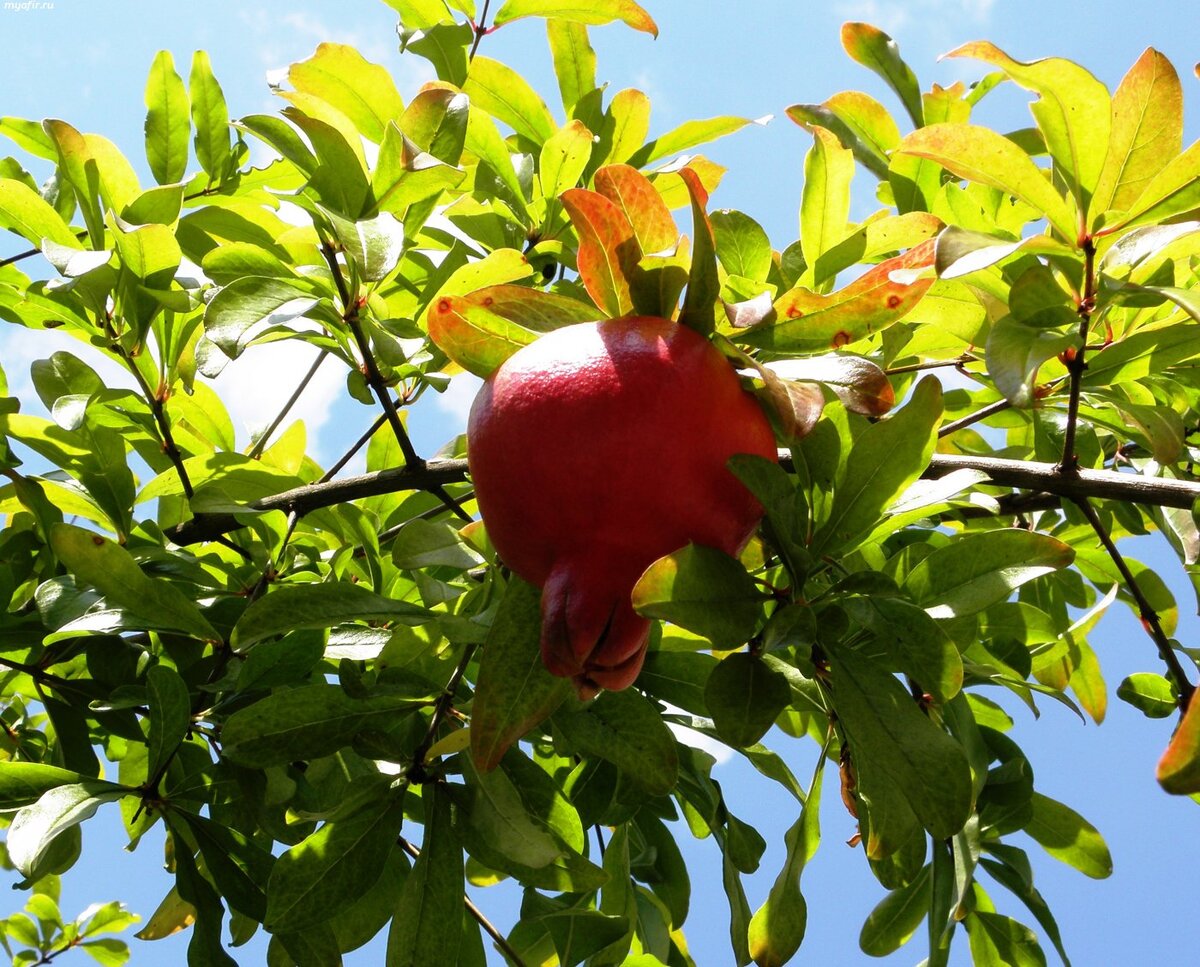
<point>445,702</point>
<point>1076,362</point>
<point>990,410</point>
<point>501,941</point>
<point>480,30</point>
<point>261,443</point>
<point>374,378</point>
<point>937,364</point>
<point>1147,613</point>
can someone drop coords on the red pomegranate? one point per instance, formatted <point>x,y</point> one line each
<point>596,450</point>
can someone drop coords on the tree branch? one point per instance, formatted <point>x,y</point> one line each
<point>1018,474</point>
<point>429,476</point>
<point>1147,613</point>
<point>1075,362</point>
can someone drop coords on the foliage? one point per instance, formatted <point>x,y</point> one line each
<point>296,676</point>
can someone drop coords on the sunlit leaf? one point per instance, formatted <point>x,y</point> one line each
<point>1179,768</point>
<point>594,12</point>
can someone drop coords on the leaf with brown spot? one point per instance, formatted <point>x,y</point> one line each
<point>808,321</point>
<point>475,337</point>
<point>608,249</point>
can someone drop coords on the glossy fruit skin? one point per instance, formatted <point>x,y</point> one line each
<point>596,450</point>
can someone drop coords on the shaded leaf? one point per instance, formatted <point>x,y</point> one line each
<point>288,607</point>
<point>703,590</point>
<point>626,730</point>
<point>101,563</point>
<point>513,692</point>
<point>307,723</point>
<point>975,571</point>
<point>745,695</point>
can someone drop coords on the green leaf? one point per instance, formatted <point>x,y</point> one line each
<point>78,168</point>
<point>239,867</point>
<point>703,286</point>
<point>896,917</point>
<point>625,729</point>
<point>885,459</point>
<point>825,200</point>
<point>563,158</point>
<point>35,827</point>
<point>514,692</point>
<point>876,51</point>
<point>498,815</point>
<point>321,876</point>
<point>421,14</point>
<point>574,60</point>
<point>1015,354</point>
<point>861,124</point>
<point>1179,768</point>
<point>436,120</point>
<point>170,715</point>
<point>742,245</point>
<point>1067,836</point>
<point>1147,131</point>
<point>975,571</point>
<point>1073,112</point>
<point>593,12</point>
<point>167,124</point>
<point>745,695</point>
<point>1152,695</point>
<point>206,945</point>
<point>373,245</point>
<point>917,643</point>
<point>288,607</point>
<point>506,95</point>
<point>981,155</point>
<point>100,563</point>
<point>703,590</point>
<point>1011,870</point>
<point>608,250</point>
<point>364,92</point>
<point>806,321</point>
<point>889,733</point>
<point>25,212</point>
<point>240,307</point>
<point>307,723</point>
<point>425,927</point>
<point>1002,942</point>
<point>23,783</point>
<point>210,116</point>
<point>777,928</point>
<point>685,137</point>
<point>678,677</point>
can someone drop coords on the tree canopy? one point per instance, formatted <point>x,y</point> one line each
<point>323,690</point>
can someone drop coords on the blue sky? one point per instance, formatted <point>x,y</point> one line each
<point>86,61</point>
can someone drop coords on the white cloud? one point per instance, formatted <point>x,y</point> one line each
<point>256,385</point>
<point>456,401</point>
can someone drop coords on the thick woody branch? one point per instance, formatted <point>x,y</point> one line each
<point>1044,478</point>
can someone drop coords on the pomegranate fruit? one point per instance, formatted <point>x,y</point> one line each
<point>596,450</point>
